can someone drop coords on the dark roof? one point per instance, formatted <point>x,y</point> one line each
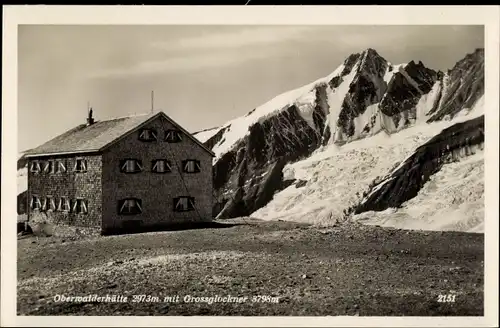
<point>99,135</point>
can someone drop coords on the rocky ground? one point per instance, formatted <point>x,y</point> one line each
<point>299,269</point>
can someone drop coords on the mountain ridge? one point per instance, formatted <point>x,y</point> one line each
<point>336,76</point>
<point>362,97</point>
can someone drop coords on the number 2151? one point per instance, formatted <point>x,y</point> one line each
<point>449,298</point>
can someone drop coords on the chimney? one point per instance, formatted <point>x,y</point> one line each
<point>90,119</point>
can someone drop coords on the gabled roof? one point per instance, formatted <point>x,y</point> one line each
<point>100,135</point>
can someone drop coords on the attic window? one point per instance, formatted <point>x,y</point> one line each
<point>148,135</point>
<point>36,204</point>
<point>191,166</point>
<point>80,206</point>
<point>183,204</point>
<point>130,206</point>
<point>131,165</point>
<point>161,166</point>
<point>173,136</point>
<point>35,167</point>
<point>80,165</point>
<point>64,205</point>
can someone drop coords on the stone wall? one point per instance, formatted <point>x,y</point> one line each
<point>70,184</point>
<point>156,190</point>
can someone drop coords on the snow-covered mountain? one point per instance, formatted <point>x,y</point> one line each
<point>366,96</point>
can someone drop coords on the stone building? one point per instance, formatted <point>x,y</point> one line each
<point>132,173</point>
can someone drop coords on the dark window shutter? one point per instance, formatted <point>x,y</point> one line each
<point>138,205</point>
<point>175,201</point>
<point>122,164</point>
<point>120,205</point>
<point>191,203</point>
<point>138,165</point>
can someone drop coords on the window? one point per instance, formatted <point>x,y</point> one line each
<point>36,203</point>
<point>49,204</point>
<point>173,136</point>
<point>161,166</point>
<point>35,167</point>
<point>182,204</point>
<point>148,135</point>
<point>130,206</point>
<point>191,166</point>
<point>80,165</point>
<point>61,166</point>
<point>49,167</point>
<point>130,165</point>
<point>80,206</point>
<point>64,205</point>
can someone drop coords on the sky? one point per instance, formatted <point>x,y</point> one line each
<point>202,76</point>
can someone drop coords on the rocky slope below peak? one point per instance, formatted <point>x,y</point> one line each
<point>403,183</point>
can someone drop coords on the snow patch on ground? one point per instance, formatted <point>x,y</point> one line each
<point>453,199</point>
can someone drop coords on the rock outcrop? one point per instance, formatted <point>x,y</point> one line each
<point>402,184</point>
<point>404,91</point>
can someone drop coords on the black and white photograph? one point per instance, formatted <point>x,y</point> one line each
<point>251,170</point>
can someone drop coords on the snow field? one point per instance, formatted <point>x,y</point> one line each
<point>337,177</point>
<point>453,199</point>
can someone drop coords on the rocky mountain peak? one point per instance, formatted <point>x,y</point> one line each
<point>464,86</point>
<point>476,56</point>
<point>368,59</point>
<point>349,63</point>
<point>371,53</point>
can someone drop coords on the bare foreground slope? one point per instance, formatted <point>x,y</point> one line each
<point>350,269</point>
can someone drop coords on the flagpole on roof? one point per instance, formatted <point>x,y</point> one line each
<point>152,100</point>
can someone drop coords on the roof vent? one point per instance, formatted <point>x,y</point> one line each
<point>90,119</point>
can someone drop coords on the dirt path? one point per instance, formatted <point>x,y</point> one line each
<point>300,270</point>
